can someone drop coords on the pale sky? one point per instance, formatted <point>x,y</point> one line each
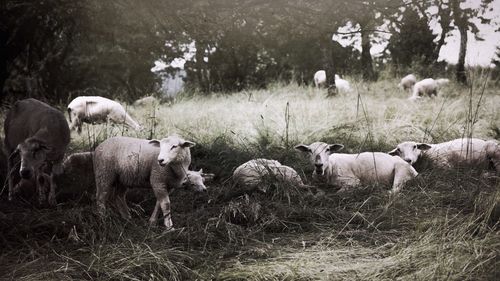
<point>478,52</point>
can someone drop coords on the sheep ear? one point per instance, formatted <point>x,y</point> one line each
<point>394,152</point>
<point>303,148</point>
<point>423,146</point>
<point>188,144</point>
<point>155,143</point>
<point>336,147</point>
<point>14,153</point>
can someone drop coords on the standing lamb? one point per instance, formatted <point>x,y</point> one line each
<point>449,154</point>
<point>427,87</point>
<point>253,174</point>
<point>123,162</point>
<point>408,82</point>
<point>36,135</point>
<point>350,170</point>
<point>341,84</point>
<point>95,109</point>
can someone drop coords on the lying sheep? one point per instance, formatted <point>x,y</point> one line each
<point>95,109</point>
<point>350,170</point>
<point>427,87</point>
<point>449,154</point>
<point>253,174</point>
<point>408,82</point>
<point>341,84</point>
<point>123,162</point>
<point>146,101</point>
<point>36,138</point>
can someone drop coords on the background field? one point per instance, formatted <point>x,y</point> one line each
<point>443,225</point>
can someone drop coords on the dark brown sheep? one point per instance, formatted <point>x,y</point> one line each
<point>36,138</point>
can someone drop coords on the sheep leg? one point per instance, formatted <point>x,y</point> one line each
<point>104,186</point>
<point>402,174</point>
<point>163,200</point>
<point>121,204</point>
<point>154,215</point>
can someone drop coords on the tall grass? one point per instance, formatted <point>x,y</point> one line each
<point>443,225</point>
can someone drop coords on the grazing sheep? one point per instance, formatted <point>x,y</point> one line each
<point>36,135</point>
<point>253,174</point>
<point>427,87</point>
<point>146,101</point>
<point>448,154</point>
<point>408,82</point>
<point>341,84</point>
<point>94,109</point>
<point>349,170</point>
<point>123,162</point>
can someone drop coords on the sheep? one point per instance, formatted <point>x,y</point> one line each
<point>253,174</point>
<point>124,162</point>
<point>38,135</point>
<point>492,149</point>
<point>427,87</point>
<point>350,170</point>
<point>408,82</point>
<point>448,154</point>
<point>95,109</point>
<point>341,84</point>
<point>146,101</point>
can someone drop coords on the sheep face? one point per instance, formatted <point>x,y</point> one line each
<point>195,181</point>
<point>173,149</point>
<point>409,151</point>
<point>493,153</point>
<point>319,153</point>
<point>33,154</point>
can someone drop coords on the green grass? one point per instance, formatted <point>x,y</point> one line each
<point>443,225</point>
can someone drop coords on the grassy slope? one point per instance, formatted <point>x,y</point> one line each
<point>444,225</point>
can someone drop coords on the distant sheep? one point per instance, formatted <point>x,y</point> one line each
<point>254,173</point>
<point>95,109</point>
<point>349,170</point>
<point>146,101</point>
<point>341,84</point>
<point>451,153</point>
<point>36,138</point>
<point>408,82</point>
<point>123,162</point>
<point>427,87</point>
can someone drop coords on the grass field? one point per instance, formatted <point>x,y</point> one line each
<point>444,225</point>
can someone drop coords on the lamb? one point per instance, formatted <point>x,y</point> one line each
<point>341,84</point>
<point>408,82</point>
<point>253,174</point>
<point>350,170</point>
<point>427,87</point>
<point>95,109</point>
<point>124,162</point>
<point>449,154</point>
<point>36,135</point>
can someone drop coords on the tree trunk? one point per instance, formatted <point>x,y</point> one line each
<point>461,22</point>
<point>200,66</point>
<point>329,67</point>
<point>366,57</point>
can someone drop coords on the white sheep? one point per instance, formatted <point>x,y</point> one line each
<point>146,101</point>
<point>254,173</point>
<point>350,170</point>
<point>427,87</point>
<point>408,82</point>
<point>449,154</point>
<point>341,84</point>
<point>95,109</point>
<point>123,162</point>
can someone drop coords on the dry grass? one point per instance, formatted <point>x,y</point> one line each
<point>443,225</point>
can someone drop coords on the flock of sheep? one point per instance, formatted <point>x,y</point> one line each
<point>426,87</point>
<point>37,136</point>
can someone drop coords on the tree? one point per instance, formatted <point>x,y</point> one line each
<point>413,42</point>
